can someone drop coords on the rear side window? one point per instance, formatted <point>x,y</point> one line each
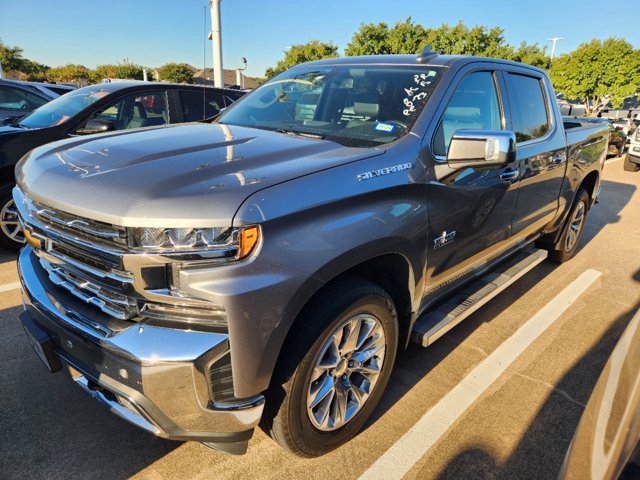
<point>18,99</point>
<point>137,110</point>
<point>474,106</point>
<point>529,113</point>
<point>200,105</point>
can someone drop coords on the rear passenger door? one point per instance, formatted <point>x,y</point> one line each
<point>470,209</point>
<point>541,150</point>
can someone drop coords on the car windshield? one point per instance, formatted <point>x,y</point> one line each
<point>61,109</point>
<point>355,105</point>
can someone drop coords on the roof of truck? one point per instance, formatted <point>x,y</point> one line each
<point>435,60</point>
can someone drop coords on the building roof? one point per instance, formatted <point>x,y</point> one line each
<point>229,78</point>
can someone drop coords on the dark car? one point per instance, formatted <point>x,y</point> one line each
<point>94,109</point>
<point>617,138</point>
<point>19,98</point>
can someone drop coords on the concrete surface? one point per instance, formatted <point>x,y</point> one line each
<point>520,427</point>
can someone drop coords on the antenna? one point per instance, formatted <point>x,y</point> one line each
<point>426,55</point>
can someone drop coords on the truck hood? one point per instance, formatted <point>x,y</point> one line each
<point>192,175</point>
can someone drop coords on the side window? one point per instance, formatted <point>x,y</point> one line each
<point>138,110</point>
<point>528,107</point>
<point>18,99</point>
<point>199,105</point>
<point>473,106</point>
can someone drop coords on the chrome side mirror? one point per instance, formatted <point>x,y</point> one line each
<point>481,148</point>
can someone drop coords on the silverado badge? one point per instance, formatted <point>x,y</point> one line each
<point>384,171</point>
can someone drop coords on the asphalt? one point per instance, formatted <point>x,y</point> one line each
<point>520,427</point>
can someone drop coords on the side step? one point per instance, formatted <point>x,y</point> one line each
<point>435,323</point>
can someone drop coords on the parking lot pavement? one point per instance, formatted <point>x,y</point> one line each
<point>518,425</point>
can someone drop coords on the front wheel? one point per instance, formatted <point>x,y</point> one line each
<point>572,231</point>
<point>11,235</point>
<point>344,349</point>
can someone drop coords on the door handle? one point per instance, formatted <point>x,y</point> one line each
<point>509,174</point>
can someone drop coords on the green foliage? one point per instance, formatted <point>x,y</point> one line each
<point>369,40</point>
<point>175,72</point>
<point>124,70</point>
<point>307,52</point>
<point>10,57</point>
<point>597,72</point>
<point>78,74</point>
<point>531,54</point>
<point>410,38</point>
<point>462,40</point>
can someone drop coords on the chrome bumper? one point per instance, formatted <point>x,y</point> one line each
<point>152,377</point>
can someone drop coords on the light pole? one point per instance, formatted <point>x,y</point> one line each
<point>553,47</point>
<point>216,43</point>
<point>239,76</point>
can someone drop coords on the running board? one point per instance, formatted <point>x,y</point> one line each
<point>435,323</point>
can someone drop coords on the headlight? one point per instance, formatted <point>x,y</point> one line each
<point>228,242</point>
<point>179,238</point>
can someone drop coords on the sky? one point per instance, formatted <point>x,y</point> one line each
<point>155,32</point>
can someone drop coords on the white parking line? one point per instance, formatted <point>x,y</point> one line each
<point>9,286</point>
<point>404,454</point>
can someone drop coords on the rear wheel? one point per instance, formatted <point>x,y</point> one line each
<point>344,349</point>
<point>572,231</point>
<point>11,236</point>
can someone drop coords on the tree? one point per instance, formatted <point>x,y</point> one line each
<point>124,70</point>
<point>175,72</point>
<point>598,72</point>
<point>410,38</point>
<point>78,74</point>
<point>34,71</point>
<point>10,57</point>
<point>307,52</point>
<point>531,54</point>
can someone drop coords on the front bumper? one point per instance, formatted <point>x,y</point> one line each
<point>151,376</point>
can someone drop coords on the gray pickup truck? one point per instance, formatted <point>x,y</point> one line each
<point>199,280</point>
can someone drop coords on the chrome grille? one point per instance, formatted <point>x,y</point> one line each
<point>109,298</point>
<point>83,227</point>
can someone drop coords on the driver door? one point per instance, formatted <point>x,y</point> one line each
<point>470,209</point>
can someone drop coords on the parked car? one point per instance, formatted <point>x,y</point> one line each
<point>200,279</point>
<point>617,139</point>
<point>606,440</point>
<point>19,98</point>
<point>94,109</point>
<point>632,158</point>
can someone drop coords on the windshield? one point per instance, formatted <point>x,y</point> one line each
<point>357,106</point>
<point>61,109</point>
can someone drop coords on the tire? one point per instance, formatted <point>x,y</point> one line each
<point>571,234</point>
<point>11,236</point>
<point>314,369</point>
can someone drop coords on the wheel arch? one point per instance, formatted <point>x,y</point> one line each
<point>393,272</point>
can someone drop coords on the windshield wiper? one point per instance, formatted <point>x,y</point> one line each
<point>299,134</point>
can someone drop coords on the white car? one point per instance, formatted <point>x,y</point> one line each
<point>624,125</point>
<point>632,158</point>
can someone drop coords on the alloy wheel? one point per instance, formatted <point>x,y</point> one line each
<point>9,224</point>
<point>575,227</point>
<point>345,372</point>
